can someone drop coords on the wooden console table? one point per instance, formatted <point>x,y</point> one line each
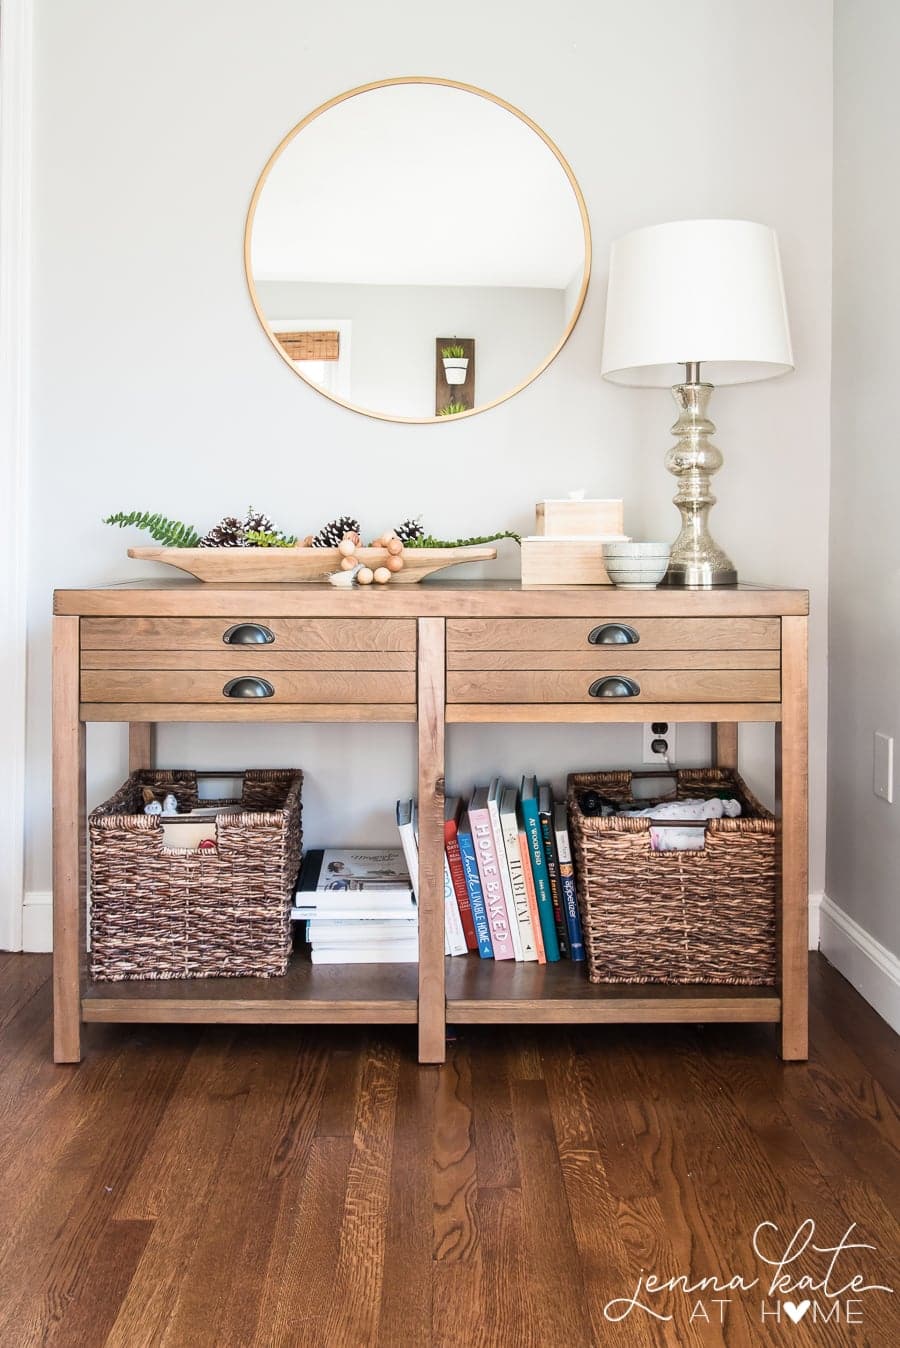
<point>437,654</point>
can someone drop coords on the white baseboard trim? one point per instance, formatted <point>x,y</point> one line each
<point>872,969</point>
<point>815,919</point>
<point>37,922</point>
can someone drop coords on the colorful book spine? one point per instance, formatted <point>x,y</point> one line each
<point>457,876</point>
<point>473,884</point>
<point>455,937</point>
<point>495,793</point>
<point>525,855</point>
<point>567,881</point>
<point>545,814</point>
<point>532,825</point>
<point>491,883</point>
<point>509,826</point>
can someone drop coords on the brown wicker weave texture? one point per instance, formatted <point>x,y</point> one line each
<point>157,912</point>
<point>675,917</point>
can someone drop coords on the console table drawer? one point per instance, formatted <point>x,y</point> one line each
<point>614,685</point>
<point>248,686</point>
<point>256,636</point>
<point>573,634</point>
<point>621,658</point>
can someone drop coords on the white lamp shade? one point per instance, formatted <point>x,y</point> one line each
<point>696,290</point>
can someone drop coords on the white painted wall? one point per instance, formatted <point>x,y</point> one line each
<point>154,386</point>
<point>15,316</point>
<point>394,330</point>
<point>864,609</point>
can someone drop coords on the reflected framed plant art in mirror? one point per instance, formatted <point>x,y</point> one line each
<point>403,210</point>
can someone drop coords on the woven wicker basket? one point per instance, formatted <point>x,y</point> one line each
<point>705,916</point>
<point>160,912</point>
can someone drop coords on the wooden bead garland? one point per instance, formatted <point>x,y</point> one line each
<point>365,575</point>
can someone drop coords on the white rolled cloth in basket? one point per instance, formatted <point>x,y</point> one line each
<point>669,839</point>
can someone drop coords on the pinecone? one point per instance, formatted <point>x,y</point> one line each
<point>410,530</point>
<point>228,533</point>
<point>331,534</point>
<point>258,522</point>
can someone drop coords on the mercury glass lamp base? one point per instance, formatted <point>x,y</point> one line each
<point>698,576</point>
<point>696,560</point>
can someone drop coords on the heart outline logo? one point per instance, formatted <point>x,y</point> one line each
<point>796,1312</point>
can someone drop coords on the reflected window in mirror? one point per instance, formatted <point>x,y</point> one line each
<point>319,350</point>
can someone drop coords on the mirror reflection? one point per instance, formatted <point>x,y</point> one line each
<point>417,250</point>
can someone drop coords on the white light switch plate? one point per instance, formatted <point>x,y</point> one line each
<point>883,774</point>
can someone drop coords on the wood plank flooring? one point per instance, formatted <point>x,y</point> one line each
<point>259,1187</point>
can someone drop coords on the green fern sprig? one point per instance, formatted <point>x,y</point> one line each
<point>171,533</point>
<point>429,541</point>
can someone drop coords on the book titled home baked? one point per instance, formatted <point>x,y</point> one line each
<point>489,870</point>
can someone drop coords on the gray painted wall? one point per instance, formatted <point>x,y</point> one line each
<point>863,865</point>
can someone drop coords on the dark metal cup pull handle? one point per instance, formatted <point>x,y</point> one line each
<point>248,634</point>
<point>613,634</point>
<point>614,686</point>
<point>248,688</point>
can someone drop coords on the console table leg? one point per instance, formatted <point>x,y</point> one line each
<point>141,745</point>
<point>792,792</point>
<point>725,744</point>
<point>431,681</point>
<point>69,841</point>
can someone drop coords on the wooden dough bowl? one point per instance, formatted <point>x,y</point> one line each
<point>303,564</point>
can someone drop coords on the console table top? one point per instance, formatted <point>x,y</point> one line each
<point>429,598</point>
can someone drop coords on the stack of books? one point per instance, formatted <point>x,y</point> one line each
<point>509,882</point>
<point>358,906</point>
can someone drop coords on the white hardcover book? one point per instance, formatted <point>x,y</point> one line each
<point>312,911</point>
<point>321,931</point>
<point>495,791</point>
<point>408,827</point>
<point>454,936</point>
<point>400,952</point>
<point>407,830</point>
<point>509,825</point>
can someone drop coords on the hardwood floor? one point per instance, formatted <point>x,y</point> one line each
<point>304,1185</point>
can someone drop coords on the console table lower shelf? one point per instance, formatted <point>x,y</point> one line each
<point>478,992</point>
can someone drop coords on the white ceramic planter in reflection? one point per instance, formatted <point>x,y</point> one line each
<point>455,369</point>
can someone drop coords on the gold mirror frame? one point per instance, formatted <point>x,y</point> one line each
<point>449,84</point>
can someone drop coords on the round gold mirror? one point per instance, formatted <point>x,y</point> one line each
<point>417,250</point>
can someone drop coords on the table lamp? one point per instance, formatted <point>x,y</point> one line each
<point>684,294</point>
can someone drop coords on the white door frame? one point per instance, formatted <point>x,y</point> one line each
<point>16,26</point>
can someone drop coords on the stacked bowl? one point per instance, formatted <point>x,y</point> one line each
<point>636,566</point>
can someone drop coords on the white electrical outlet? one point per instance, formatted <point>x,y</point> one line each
<point>658,742</point>
<point>883,770</point>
